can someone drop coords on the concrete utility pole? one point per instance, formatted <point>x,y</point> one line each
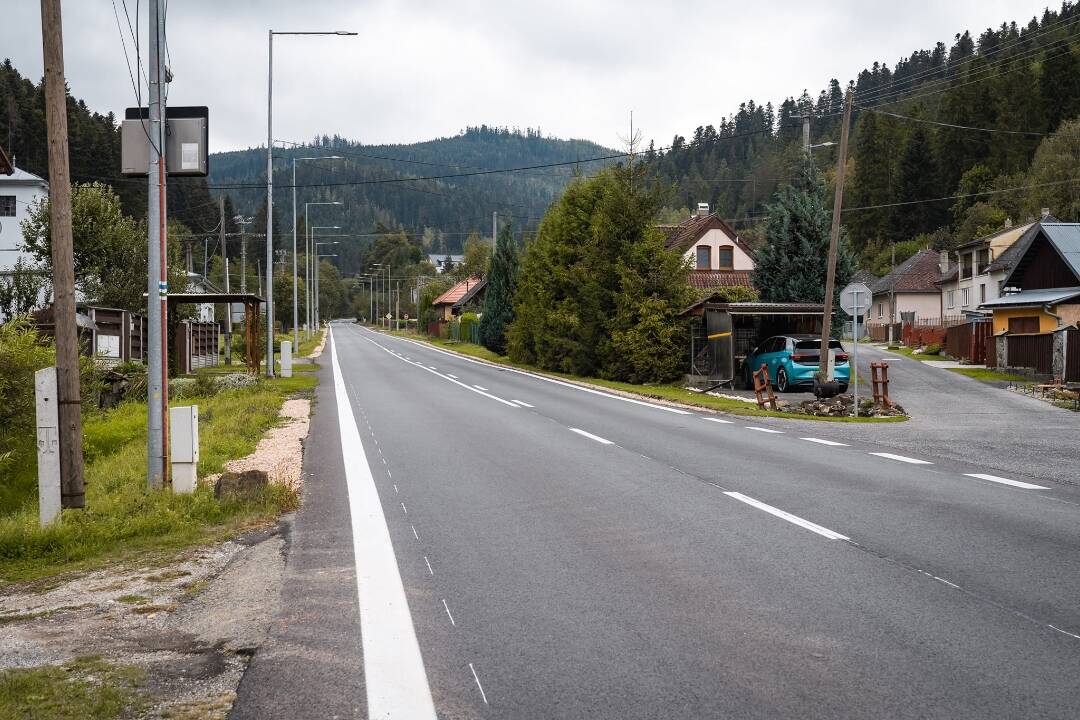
<point>806,132</point>
<point>270,207</point>
<point>494,230</point>
<point>397,304</point>
<point>225,270</point>
<point>834,239</point>
<point>66,332</point>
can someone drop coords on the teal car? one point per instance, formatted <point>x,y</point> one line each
<point>793,360</point>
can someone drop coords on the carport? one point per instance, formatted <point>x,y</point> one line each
<point>722,334</point>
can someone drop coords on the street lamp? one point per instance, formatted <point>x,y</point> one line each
<point>270,188</point>
<point>827,143</point>
<point>295,305</point>
<point>307,259</point>
<point>317,256</point>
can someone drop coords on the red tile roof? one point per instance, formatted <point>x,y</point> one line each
<point>919,273</point>
<point>681,237</point>
<point>707,279</point>
<point>457,292</point>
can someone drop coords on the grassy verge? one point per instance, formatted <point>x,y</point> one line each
<point>122,517</point>
<point>991,376</point>
<point>908,352</point>
<point>87,688</point>
<point>673,392</point>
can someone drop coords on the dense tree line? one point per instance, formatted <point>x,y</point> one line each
<point>1022,79</point>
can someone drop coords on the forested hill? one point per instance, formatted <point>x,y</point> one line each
<point>1016,84</point>
<point>380,184</point>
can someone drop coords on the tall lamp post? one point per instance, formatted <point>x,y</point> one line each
<point>270,188</point>
<point>315,267</point>
<point>375,276</point>
<point>307,261</point>
<point>295,279</point>
<point>317,256</point>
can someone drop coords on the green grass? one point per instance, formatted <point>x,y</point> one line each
<point>906,351</point>
<point>122,517</point>
<point>987,375</point>
<point>673,392</point>
<point>86,688</point>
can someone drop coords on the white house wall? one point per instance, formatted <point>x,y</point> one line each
<point>715,239</point>
<point>10,231</point>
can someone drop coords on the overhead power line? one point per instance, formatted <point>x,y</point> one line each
<point>965,195</point>
<point>959,127</point>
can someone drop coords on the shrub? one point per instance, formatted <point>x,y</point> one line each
<point>932,349</point>
<point>469,329</point>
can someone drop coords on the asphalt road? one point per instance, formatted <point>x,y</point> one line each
<point>561,553</point>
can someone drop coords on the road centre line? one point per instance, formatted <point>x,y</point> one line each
<point>395,679</point>
<point>430,571</point>
<point>414,533</point>
<point>764,430</point>
<point>1006,481</point>
<point>718,420</point>
<point>484,695</point>
<point>448,613</point>
<point>450,379</point>
<point>820,441</point>
<point>589,435</point>
<point>544,378</point>
<point>1065,632</point>
<point>404,509</point>
<point>795,519</point>
<point>452,376</point>
<point>901,458</point>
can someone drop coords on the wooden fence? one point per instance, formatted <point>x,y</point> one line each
<point>1072,355</point>
<point>967,341</point>
<point>1032,351</point>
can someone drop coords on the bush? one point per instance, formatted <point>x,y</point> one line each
<point>469,328</point>
<point>932,349</point>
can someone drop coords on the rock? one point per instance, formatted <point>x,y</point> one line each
<point>246,483</point>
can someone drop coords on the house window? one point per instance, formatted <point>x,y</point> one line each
<point>725,257</point>
<point>984,260</point>
<point>7,206</point>
<point>951,298</point>
<point>982,293</point>
<point>704,257</point>
<point>966,266</point>
<point>965,296</point>
<point>881,310</point>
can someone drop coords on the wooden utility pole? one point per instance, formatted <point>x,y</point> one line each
<point>834,239</point>
<point>69,411</point>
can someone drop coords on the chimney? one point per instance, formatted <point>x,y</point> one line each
<point>702,209</point>
<point>943,261</point>
<point>1045,213</point>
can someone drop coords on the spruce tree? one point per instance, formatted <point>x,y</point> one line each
<point>499,293</point>
<point>791,266</point>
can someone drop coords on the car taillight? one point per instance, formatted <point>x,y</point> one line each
<point>841,357</point>
<point>802,359</point>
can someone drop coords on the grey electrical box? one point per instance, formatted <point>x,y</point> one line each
<point>187,136</point>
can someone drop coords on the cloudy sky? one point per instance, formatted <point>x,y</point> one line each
<point>422,69</point>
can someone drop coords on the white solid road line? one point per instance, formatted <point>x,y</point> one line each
<point>813,527</point>
<point>523,403</point>
<point>1007,481</point>
<point>902,458</point>
<point>452,376</point>
<point>764,430</point>
<point>394,677</point>
<point>526,373</point>
<point>589,435</point>
<point>484,695</point>
<point>719,420</point>
<point>480,388</point>
<point>819,441</point>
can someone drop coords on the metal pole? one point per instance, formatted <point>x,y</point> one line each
<point>225,269</point>
<point>295,276</point>
<point>494,229</point>
<point>855,353</point>
<point>307,270</point>
<point>156,289</point>
<point>270,206</point>
<point>834,238</point>
<point>69,412</point>
<point>388,293</point>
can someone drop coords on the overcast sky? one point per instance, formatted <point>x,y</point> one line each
<point>423,69</point>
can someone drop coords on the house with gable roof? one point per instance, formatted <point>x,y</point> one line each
<point>717,256</point>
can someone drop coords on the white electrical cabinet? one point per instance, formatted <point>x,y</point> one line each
<point>184,447</point>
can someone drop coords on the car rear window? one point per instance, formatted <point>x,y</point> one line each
<point>816,345</point>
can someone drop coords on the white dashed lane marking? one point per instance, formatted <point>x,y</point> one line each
<point>764,430</point>
<point>1007,481</point>
<point>819,441</point>
<point>719,420</point>
<point>902,458</point>
<point>795,519</point>
<point>589,435</point>
<point>477,679</point>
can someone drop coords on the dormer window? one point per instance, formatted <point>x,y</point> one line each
<point>704,257</point>
<point>725,257</point>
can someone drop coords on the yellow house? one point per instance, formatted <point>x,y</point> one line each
<point>1035,311</point>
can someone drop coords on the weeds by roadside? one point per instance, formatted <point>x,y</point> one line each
<point>87,687</point>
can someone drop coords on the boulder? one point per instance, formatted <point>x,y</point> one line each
<point>245,484</point>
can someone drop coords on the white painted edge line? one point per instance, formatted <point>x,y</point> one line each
<point>589,435</point>
<point>719,420</point>
<point>1065,632</point>
<point>902,458</point>
<point>394,677</point>
<point>446,377</point>
<point>483,389</point>
<point>477,679</point>
<point>452,376</point>
<point>1007,481</point>
<point>764,430</point>
<point>820,441</point>
<point>813,527</point>
<point>523,403</point>
<point>518,371</point>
